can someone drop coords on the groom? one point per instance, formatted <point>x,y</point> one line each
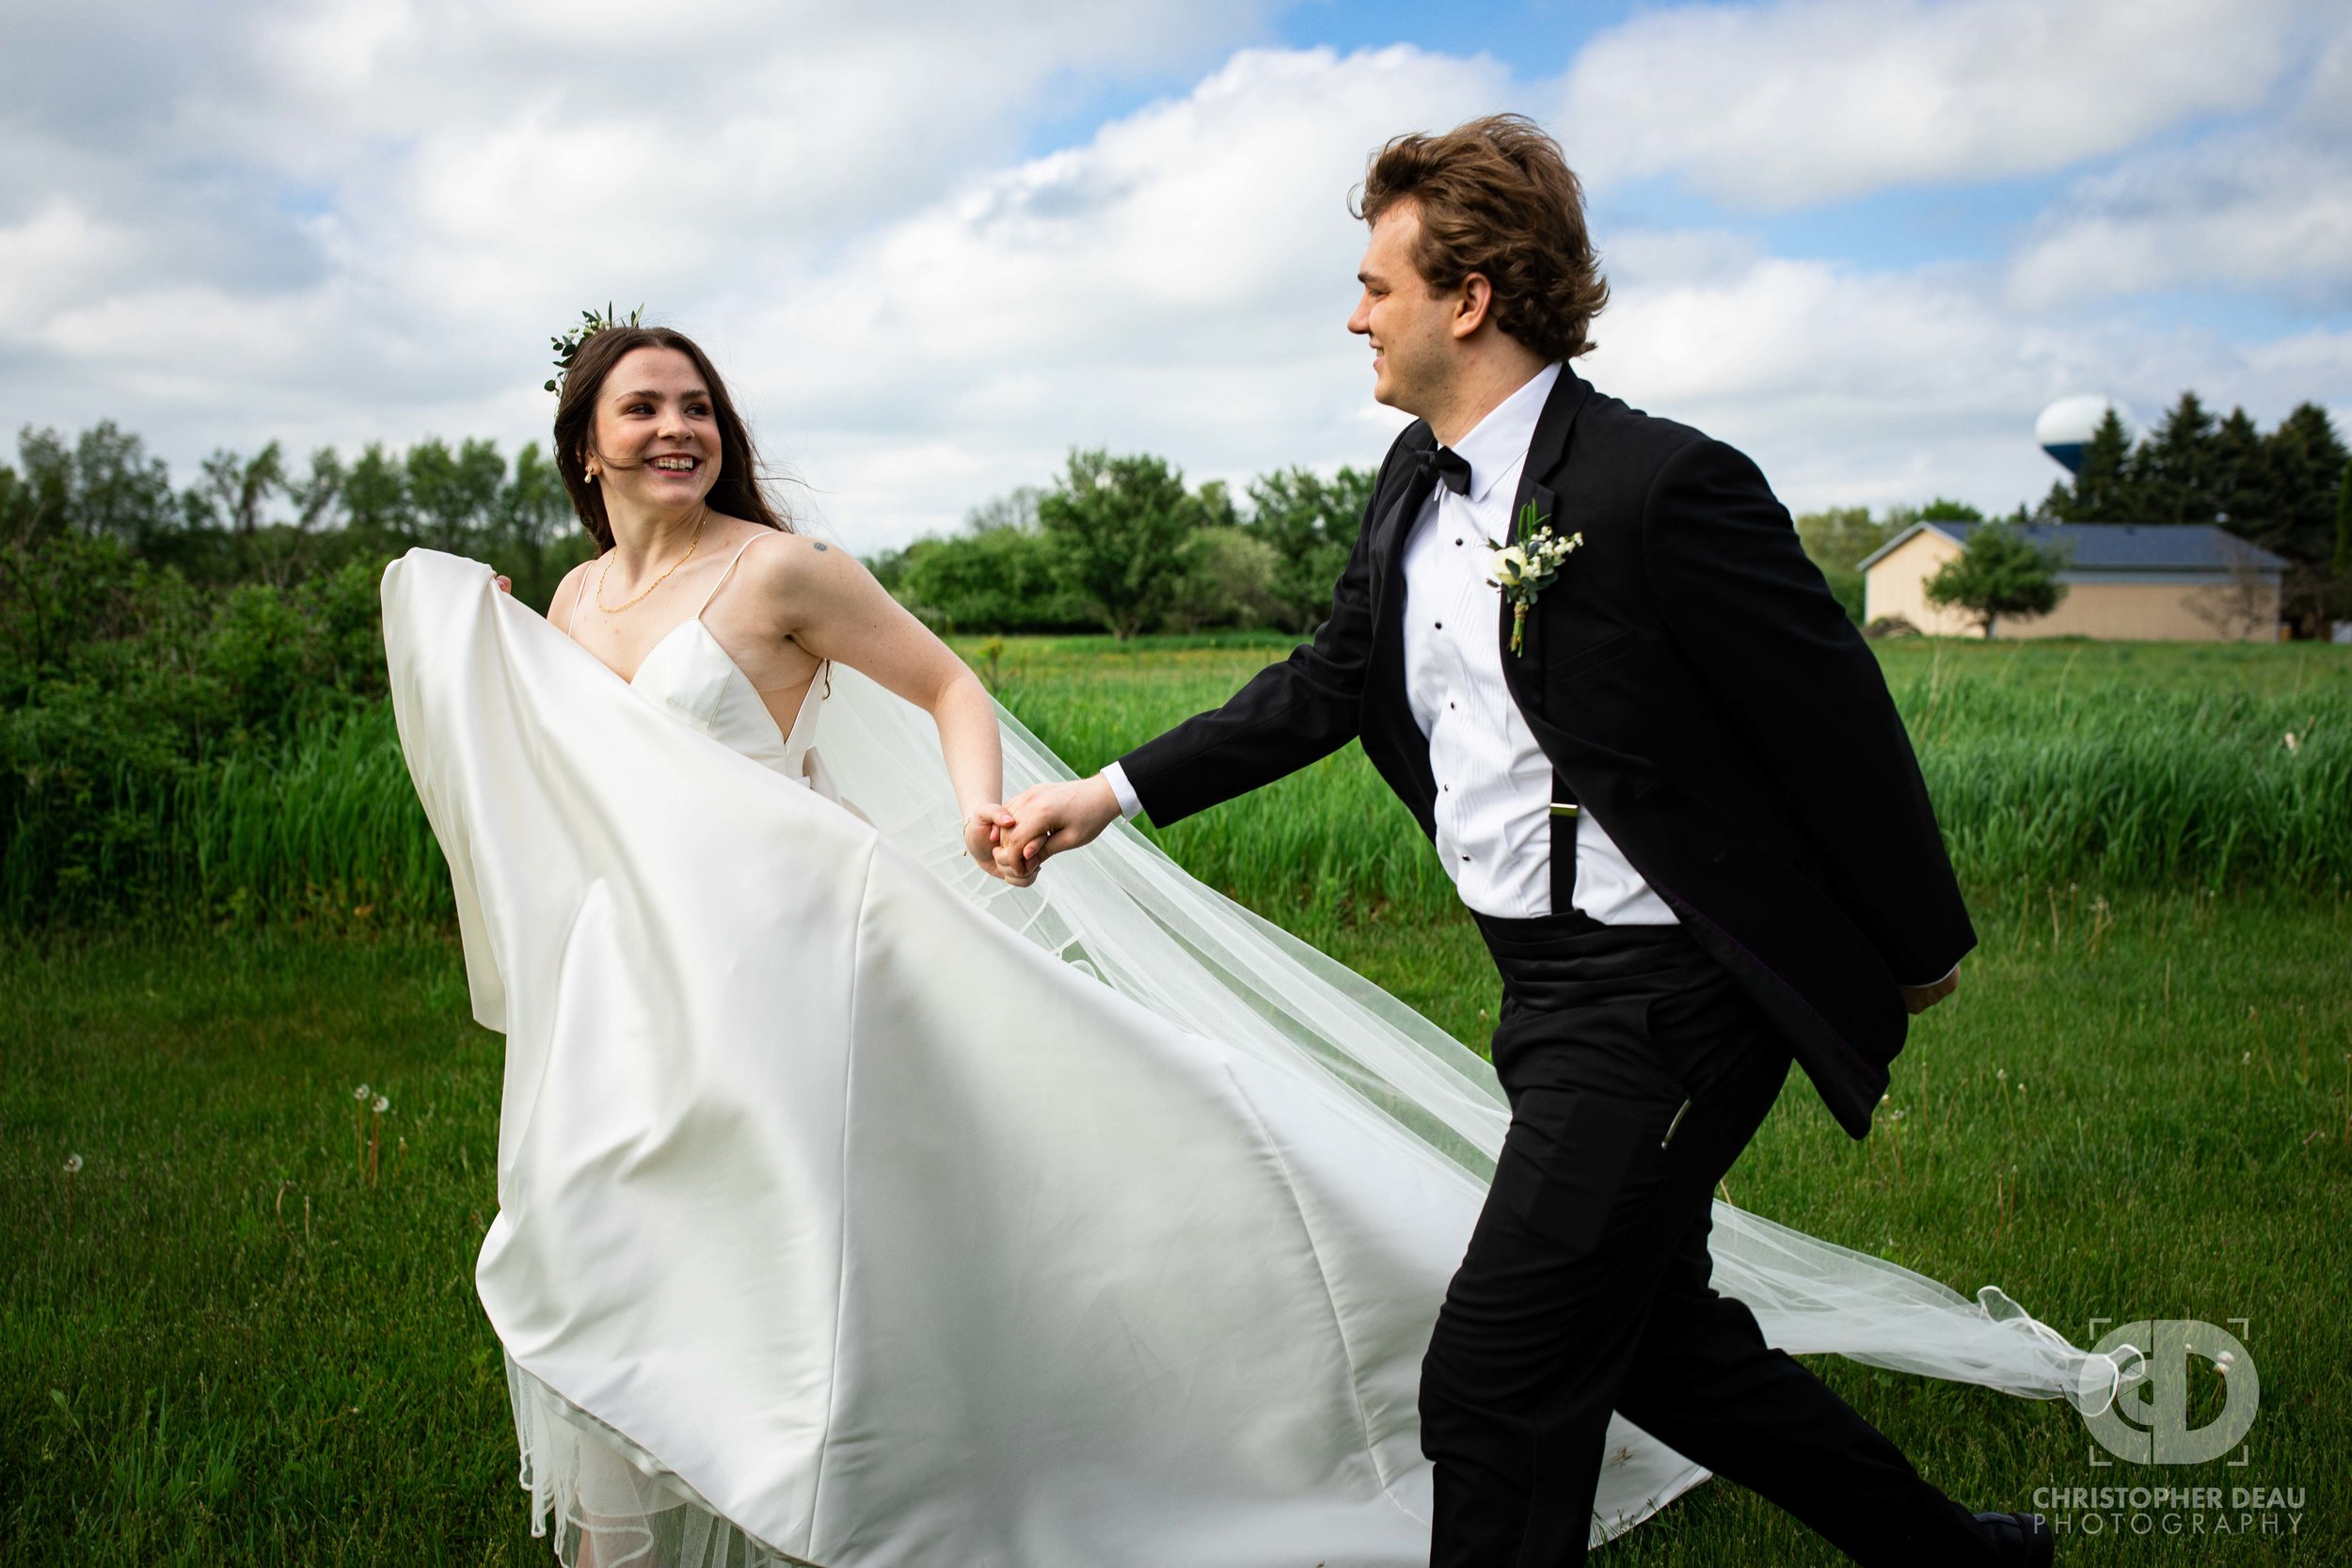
<point>1672,790</point>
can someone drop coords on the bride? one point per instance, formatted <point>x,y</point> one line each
<point>856,1207</point>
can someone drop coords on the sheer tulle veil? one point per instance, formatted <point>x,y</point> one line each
<point>1125,912</point>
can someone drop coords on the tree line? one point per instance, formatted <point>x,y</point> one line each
<point>2288,490</point>
<point>1120,544</point>
<point>1114,542</point>
<point>263,519</point>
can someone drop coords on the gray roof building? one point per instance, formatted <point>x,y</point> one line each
<point>2105,549</point>
<point>2170,581</point>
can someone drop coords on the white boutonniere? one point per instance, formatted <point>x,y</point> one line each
<point>1525,567</point>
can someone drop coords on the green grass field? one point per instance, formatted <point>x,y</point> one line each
<point>222,1340</point>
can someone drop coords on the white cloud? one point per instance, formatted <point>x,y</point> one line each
<point>339,215</point>
<point>363,223</point>
<point>1181,283</point>
<point>1853,386</point>
<point>2270,208</point>
<point>2245,211</point>
<point>1801,101</point>
<point>54,255</point>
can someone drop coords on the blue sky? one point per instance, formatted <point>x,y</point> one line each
<point>1867,240</point>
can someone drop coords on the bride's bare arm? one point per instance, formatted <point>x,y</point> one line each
<point>831,606</point>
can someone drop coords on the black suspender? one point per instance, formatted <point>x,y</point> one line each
<point>1565,811</point>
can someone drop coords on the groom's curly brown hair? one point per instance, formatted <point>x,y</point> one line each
<point>1497,198</point>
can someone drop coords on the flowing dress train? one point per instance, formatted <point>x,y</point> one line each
<point>857,1210</point>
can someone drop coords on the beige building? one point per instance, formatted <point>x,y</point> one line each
<point>2176,582</point>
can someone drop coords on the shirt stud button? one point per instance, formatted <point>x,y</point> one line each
<point>1441,626</point>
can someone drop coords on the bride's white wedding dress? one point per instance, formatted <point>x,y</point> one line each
<point>855,1208</point>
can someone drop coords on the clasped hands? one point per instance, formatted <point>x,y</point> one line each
<point>1013,841</point>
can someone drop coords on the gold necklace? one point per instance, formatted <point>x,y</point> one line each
<point>656,582</point>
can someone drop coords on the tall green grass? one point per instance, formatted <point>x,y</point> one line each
<point>326,828</point>
<point>2164,771</point>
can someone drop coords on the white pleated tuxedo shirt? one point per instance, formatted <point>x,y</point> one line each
<point>1493,808</point>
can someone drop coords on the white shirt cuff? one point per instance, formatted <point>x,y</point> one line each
<point>1116,777</point>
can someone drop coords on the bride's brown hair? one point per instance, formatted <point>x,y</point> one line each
<point>738,492</point>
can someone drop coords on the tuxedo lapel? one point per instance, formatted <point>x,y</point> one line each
<point>1546,452</point>
<point>1392,526</point>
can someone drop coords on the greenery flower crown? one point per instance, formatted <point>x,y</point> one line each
<point>568,346</point>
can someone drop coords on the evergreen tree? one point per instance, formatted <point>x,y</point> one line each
<point>2306,461</point>
<point>2000,572</point>
<point>2173,473</point>
<point>2342,563</point>
<point>2100,493</point>
<point>2241,476</point>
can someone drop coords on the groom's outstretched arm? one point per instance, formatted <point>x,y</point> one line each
<point>1288,715</point>
<point>1753,616</point>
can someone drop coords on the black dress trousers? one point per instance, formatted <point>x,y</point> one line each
<point>1636,1071</point>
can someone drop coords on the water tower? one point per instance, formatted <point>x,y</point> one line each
<point>2066,426</point>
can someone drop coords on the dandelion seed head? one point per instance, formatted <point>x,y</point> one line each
<point>2001,1074</point>
<point>2245,1058</point>
<point>359,1093</point>
<point>383,1103</point>
<point>73,1163</point>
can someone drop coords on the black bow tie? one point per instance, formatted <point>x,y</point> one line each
<point>1452,469</point>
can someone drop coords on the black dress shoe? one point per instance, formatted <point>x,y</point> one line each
<point>2024,1539</point>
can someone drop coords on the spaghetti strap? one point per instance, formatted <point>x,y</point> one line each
<point>728,573</point>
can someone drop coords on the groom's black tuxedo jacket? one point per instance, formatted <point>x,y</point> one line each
<point>1697,687</point>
